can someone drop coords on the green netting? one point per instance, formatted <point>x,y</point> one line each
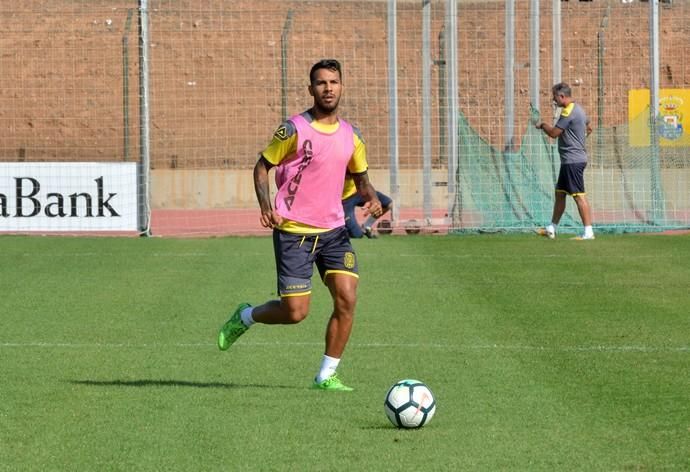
<point>514,190</point>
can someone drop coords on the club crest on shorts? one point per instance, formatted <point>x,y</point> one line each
<point>349,260</point>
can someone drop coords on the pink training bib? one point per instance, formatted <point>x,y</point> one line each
<point>311,186</point>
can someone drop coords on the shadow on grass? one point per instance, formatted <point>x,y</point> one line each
<point>173,383</point>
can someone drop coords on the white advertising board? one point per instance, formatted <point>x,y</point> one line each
<point>70,196</point>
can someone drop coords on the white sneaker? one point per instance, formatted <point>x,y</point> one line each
<point>546,233</point>
<point>584,237</point>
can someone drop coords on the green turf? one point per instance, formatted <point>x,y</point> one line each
<point>543,355</point>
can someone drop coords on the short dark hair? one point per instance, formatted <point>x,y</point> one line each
<point>562,89</point>
<point>330,64</point>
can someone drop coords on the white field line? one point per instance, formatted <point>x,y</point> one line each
<point>43,255</point>
<point>450,347</point>
<point>174,255</point>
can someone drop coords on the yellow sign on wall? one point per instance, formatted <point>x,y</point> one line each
<point>673,107</point>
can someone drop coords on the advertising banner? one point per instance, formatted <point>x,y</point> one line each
<point>73,196</point>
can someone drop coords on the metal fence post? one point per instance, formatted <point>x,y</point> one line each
<point>143,171</point>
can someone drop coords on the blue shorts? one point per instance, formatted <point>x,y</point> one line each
<point>296,255</point>
<point>353,201</point>
<point>571,179</point>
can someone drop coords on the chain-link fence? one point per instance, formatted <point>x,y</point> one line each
<point>222,75</point>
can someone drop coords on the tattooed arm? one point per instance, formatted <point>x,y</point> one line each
<point>368,193</point>
<point>269,218</point>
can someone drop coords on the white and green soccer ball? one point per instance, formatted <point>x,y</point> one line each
<point>409,404</point>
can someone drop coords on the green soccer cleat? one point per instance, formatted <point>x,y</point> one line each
<point>333,384</point>
<point>232,329</point>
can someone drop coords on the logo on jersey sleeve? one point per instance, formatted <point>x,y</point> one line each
<point>281,133</point>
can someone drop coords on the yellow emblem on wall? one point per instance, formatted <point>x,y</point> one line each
<point>673,106</point>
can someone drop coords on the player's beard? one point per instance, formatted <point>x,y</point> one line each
<point>327,108</point>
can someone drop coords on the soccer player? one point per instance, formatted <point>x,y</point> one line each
<point>312,152</point>
<point>351,200</point>
<point>571,129</point>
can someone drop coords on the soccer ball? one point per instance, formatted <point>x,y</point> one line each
<point>413,227</point>
<point>409,404</point>
<point>384,227</point>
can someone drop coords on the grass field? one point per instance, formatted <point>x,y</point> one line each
<point>543,355</point>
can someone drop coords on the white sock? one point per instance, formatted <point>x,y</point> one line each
<point>589,231</point>
<point>328,366</point>
<point>369,223</point>
<point>552,228</point>
<point>246,316</point>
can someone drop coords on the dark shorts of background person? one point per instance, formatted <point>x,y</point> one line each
<point>571,179</point>
<point>349,205</point>
<point>296,255</point>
